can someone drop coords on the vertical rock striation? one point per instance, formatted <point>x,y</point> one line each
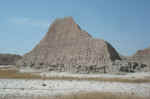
<point>66,47</point>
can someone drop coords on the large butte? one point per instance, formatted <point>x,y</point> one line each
<point>66,47</point>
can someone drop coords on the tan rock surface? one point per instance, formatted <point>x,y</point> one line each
<point>142,56</point>
<point>66,44</point>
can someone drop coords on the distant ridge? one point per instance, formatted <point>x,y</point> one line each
<point>9,59</point>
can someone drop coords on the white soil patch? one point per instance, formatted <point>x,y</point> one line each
<point>22,87</point>
<point>139,75</point>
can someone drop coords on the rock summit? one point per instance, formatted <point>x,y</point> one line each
<point>66,47</point>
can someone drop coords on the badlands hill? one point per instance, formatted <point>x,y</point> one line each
<point>66,47</point>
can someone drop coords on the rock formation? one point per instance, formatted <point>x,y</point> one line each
<point>139,62</point>
<point>142,56</point>
<point>66,47</point>
<point>129,66</point>
<point>9,59</point>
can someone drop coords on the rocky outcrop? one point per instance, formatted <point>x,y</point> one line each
<point>9,59</point>
<point>66,47</point>
<point>129,66</point>
<point>139,62</point>
<point>142,56</point>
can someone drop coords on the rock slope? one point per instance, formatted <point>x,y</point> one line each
<point>66,47</point>
<point>143,56</point>
<point>139,62</point>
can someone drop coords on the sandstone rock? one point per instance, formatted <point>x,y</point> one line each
<point>66,47</point>
<point>142,56</point>
<point>128,66</point>
<point>139,62</point>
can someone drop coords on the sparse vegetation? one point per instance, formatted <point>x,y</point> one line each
<point>14,74</point>
<point>92,95</point>
<point>123,80</point>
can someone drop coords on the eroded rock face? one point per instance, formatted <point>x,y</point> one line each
<point>142,56</point>
<point>129,66</point>
<point>66,47</point>
<point>9,59</point>
<point>139,62</point>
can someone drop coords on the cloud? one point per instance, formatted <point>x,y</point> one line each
<point>29,21</point>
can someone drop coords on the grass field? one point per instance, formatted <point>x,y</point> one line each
<point>91,95</point>
<point>13,74</point>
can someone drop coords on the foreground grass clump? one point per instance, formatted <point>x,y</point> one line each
<point>90,95</point>
<point>14,74</point>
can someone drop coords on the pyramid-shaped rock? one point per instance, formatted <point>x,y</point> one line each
<point>66,47</point>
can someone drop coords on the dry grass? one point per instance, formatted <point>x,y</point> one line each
<point>102,95</point>
<point>13,74</point>
<point>123,80</point>
<point>92,95</point>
